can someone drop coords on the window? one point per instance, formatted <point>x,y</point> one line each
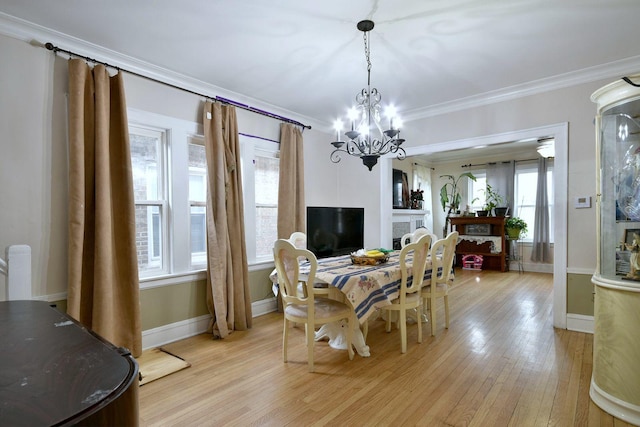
<point>476,191</point>
<point>170,187</point>
<point>198,203</point>
<point>170,184</point>
<point>260,173</point>
<point>148,164</point>
<point>526,183</point>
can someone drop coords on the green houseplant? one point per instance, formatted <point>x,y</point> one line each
<point>492,200</point>
<point>450,197</point>
<point>515,227</point>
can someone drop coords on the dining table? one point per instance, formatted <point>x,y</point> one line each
<point>365,287</point>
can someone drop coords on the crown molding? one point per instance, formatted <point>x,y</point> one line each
<point>611,70</point>
<point>37,35</point>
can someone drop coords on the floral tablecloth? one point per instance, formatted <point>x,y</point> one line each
<point>367,287</point>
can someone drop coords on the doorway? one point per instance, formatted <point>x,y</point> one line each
<point>560,180</point>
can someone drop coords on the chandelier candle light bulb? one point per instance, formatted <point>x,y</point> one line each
<point>365,142</point>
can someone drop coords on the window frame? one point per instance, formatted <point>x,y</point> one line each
<point>249,149</point>
<point>200,256</point>
<point>479,174</point>
<point>161,203</point>
<point>528,168</point>
<point>177,242</point>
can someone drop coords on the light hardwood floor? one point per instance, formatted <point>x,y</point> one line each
<point>501,363</point>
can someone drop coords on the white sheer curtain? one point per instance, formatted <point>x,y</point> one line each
<point>500,176</point>
<point>541,249</point>
<point>422,181</point>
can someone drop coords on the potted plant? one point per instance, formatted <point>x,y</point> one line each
<point>516,227</point>
<point>450,197</point>
<point>493,200</point>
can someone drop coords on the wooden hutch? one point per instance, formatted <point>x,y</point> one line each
<point>483,236</point>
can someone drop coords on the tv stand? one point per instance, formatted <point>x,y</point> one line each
<point>483,236</point>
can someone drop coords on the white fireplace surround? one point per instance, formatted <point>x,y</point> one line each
<point>407,221</point>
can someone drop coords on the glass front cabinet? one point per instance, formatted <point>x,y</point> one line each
<point>615,381</point>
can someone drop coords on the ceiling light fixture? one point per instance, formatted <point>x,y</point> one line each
<point>547,150</point>
<point>366,139</point>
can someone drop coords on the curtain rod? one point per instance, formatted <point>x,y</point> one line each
<point>493,163</point>
<point>56,49</point>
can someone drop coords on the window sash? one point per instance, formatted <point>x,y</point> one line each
<point>525,208</point>
<point>260,214</point>
<point>151,235</point>
<point>172,204</point>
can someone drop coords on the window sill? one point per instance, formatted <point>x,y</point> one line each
<point>171,279</point>
<point>191,276</point>
<point>261,265</point>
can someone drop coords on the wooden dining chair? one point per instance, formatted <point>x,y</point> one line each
<point>299,240</point>
<point>443,252</point>
<point>413,237</point>
<point>311,309</point>
<point>409,296</point>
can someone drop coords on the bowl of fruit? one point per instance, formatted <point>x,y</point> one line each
<point>370,257</point>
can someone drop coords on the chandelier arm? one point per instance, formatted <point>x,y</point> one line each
<point>355,145</point>
<point>335,155</point>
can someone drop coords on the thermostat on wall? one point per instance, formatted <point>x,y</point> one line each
<point>583,202</point>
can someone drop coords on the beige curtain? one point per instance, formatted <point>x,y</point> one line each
<point>228,296</point>
<point>103,289</point>
<point>291,211</point>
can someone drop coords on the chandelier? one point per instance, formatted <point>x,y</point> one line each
<point>366,139</point>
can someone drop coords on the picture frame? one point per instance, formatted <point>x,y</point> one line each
<point>478,229</point>
<point>628,235</point>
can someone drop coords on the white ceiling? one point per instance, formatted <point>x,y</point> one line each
<point>307,57</point>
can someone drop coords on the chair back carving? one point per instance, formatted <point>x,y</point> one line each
<point>443,252</point>
<point>287,257</point>
<point>413,237</point>
<point>299,239</point>
<point>420,250</point>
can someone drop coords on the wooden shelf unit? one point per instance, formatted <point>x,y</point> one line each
<point>466,225</point>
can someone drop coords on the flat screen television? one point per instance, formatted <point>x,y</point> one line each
<point>333,231</point>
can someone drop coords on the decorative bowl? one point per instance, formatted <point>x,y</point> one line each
<point>369,260</point>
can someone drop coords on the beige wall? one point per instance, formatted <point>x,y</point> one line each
<point>33,163</point>
<point>34,169</point>
<point>580,298</point>
<point>568,105</point>
<point>170,304</point>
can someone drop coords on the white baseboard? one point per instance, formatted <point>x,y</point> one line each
<point>174,331</point>
<point>532,267</point>
<point>264,306</point>
<point>580,323</point>
<point>187,328</point>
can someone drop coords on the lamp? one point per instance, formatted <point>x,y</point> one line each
<point>366,139</point>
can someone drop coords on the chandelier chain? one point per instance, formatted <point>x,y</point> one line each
<point>366,54</point>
